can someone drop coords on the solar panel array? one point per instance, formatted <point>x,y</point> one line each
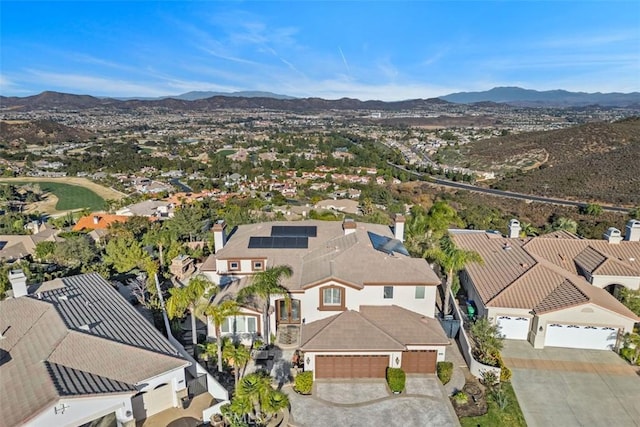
<point>294,231</point>
<point>387,245</point>
<point>278,242</point>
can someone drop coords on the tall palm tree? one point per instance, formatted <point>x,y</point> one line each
<point>264,284</point>
<point>451,259</point>
<point>236,355</point>
<point>218,314</point>
<point>189,298</point>
<point>255,392</point>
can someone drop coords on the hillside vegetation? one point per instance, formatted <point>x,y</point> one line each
<point>19,133</point>
<point>595,162</point>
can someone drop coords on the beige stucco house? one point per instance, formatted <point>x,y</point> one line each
<point>556,289</point>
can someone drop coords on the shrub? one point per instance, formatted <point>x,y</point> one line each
<point>489,378</point>
<point>444,370</point>
<point>628,354</point>
<point>396,379</point>
<point>304,382</point>
<point>500,397</point>
<point>461,397</point>
<point>505,373</point>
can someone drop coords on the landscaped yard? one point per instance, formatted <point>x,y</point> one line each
<point>511,415</point>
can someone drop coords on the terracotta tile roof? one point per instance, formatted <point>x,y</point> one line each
<point>103,221</point>
<point>331,255</point>
<point>373,328</point>
<point>347,331</point>
<point>542,274</point>
<point>76,336</point>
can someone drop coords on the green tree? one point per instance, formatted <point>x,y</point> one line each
<point>44,250</point>
<point>631,299</point>
<point>263,285</point>
<point>566,224</point>
<point>256,397</point>
<point>451,259</point>
<point>75,251</point>
<point>593,209</point>
<point>528,230</point>
<point>440,217</point>
<point>488,341</point>
<point>189,298</point>
<point>217,314</point>
<point>126,253</point>
<point>236,355</point>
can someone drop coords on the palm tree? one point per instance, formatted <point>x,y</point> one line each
<point>236,355</point>
<point>528,230</point>
<point>264,284</point>
<point>255,394</point>
<point>189,297</point>
<point>451,259</point>
<point>218,314</point>
<point>566,224</point>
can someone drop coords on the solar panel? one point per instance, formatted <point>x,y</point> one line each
<point>387,244</point>
<point>294,231</point>
<point>278,242</point>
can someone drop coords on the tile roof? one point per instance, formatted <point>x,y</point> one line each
<point>543,273</point>
<point>330,255</point>
<point>76,336</point>
<point>104,221</point>
<point>373,328</point>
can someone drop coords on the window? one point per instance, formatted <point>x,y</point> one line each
<point>257,265</point>
<point>239,325</point>
<point>419,292</point>
<point>331,296</point>
<point>234,265</point>
<point>388,292</point>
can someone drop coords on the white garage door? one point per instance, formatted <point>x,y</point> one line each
<point>576,336</point>
<point>514,328</point>
<point>151,402</point>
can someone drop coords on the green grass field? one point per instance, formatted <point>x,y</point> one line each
<point>511,416</point>
<point>71,196</point>
<point>225,153</point>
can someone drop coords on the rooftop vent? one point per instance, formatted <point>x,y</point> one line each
<point>613,235</point>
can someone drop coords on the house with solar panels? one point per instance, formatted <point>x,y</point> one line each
<point>357,302</point>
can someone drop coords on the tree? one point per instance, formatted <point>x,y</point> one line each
<point>236,355</point>
<point>451,259</point>
<point>125,253</point>
<point>218,314</point>
<point>488,341</point>
<point>256,397</point>
<point>631,299</point>
<point>75,251</point>
<point>528,230</point>
<point>592,209</point>
<point>44,250</point>
<point>566,224</point>
<point>188,298</point>
<point>263,285</point>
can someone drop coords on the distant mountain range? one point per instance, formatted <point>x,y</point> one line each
<point>252,99</point>
<point>552,98</point>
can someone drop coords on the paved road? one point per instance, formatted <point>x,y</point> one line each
<point>509,194</point>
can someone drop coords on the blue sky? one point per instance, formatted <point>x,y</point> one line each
<point>330,49</point>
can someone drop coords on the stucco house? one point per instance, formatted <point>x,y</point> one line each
<point>554,290</point>
<point>357,302</point>
<point>14,247</point>
<point>73,351</point>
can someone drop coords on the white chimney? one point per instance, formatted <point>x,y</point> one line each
<point>514,229</point>
<point>96,219</point>
<point>632,231</point>
<point>219,235</point>
<point>18,283</point>
<point>613,235</point>
<point>398,228</point>
<point>349,226</point>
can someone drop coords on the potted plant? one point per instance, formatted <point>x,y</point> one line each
<point>396,379</point>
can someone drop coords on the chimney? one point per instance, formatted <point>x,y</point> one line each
<point>349,226</point>
<point>96,219</point>
<point>219,235</point>
<point>398,228</point>
<point>632,231</point>
<point>514,229</point>
<point>19,283</point>
<point>613,235</point>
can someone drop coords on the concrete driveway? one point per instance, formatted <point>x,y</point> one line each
<point>570,387</point>
<point>368,403</point>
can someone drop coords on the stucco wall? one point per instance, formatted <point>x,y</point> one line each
<point>626,281</point>
<point>84,409</point>
<point>586,314</point>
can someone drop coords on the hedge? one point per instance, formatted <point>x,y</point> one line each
<point>444,370</point>
<point>304,382</point>
<point>396,379</point>
<point>505,373</point>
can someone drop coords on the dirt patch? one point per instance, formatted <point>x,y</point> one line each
<point>102,191</point>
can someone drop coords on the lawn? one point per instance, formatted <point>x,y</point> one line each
<point>225,153</point>
<point>511,415</point>
<point>71,196</point>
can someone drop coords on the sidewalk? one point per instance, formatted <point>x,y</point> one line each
<point>460,368</point>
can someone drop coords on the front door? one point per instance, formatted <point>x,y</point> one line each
<point>288,311</point>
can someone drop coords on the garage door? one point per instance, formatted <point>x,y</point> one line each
<point>149,403</point>
<point>351,366</point>
<point>514,328</point>
<point>577,336</point>
<point>419,361</point>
